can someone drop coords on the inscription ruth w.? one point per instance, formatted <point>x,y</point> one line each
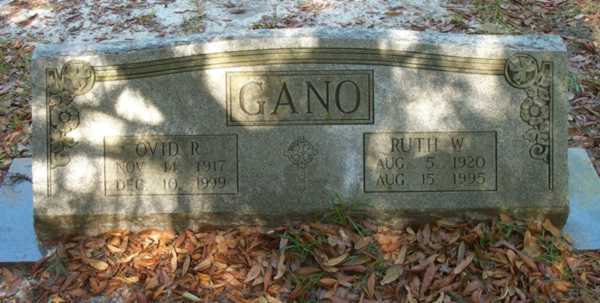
<point>300,97</point>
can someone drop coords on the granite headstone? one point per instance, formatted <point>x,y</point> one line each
<point>266,126</point>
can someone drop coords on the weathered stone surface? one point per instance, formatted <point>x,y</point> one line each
<point>273,125</point>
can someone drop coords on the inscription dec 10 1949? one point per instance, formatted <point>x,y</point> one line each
<point>170,165</point>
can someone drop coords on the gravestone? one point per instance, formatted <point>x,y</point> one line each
<point>266,126</point>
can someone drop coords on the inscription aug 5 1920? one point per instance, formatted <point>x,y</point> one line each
<point>171,165</point>
<point>430,161</point>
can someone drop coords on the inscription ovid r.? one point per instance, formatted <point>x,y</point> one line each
<point>170,165</point>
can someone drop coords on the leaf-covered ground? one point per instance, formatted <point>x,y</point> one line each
<point>342,258</point>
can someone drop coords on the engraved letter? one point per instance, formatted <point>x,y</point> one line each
<point>457,143</point>
<point>337,97</point>
<point>325,102</point>
<point>140,149</point>
<point>289,98</point>
<point>261,104</point>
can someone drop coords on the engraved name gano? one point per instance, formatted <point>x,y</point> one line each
<point>430,161</point>
<point>300,97</point>
<point>170,165</point>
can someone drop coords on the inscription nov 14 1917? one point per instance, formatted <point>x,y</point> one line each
<point>170,165</point>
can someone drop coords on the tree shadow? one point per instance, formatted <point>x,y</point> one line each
<point>189,97</point>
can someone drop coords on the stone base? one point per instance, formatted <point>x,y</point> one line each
<point>16,215</point>
<point>584,187</point>
<point>71,226</point>
<point>20,245</point>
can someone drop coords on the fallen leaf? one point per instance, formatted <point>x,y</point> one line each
<point>371,285</point>
<point>280,266</point>
<point>328,282</point>
<point>462,265</point>
<point>191,297</point>
<point>253,273</point>
<point>392,274</point>
<point>186,265</point>
<point>428,278</point>
<point>97,264</point>
<point>530,245</point>
<point>204,265</point>
<point>335,261</point>
<point>562,286</point>
<point>551,228</point>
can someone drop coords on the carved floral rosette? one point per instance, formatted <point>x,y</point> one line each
<point>523,71</point>
<point>74,79</point>
<point>301,152</point>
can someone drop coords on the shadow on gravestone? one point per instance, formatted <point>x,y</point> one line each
<point>169,90</point>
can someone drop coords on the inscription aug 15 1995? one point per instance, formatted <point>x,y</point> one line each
<point>300,97</point>
<point>430,161</point>
<point>170,165</point>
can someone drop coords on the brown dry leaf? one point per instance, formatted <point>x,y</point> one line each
<point>280,267</point>
<point>409,297</point>
<point>512,257</point>
<point>464,264</point>
<point>97,264</point>
<point>526,259</point>
<point>186,265</point>
<point>506,219</point>
<point>424,263</point>
<point>357,261</point>
<point>328,282</point>
<point>371,285</point>
<point>204,265</point>
<point>561,285</point>
<point>530,245</point>
<point>305,271</point>
<point>392,274</point>
<point>551,228</point>
<point>272,299</point>
<point>128,280</point>
<point>428,278</point>
<point>152,283</point>
<point>441,298</point>
<point>335,261</point>
<point>461,252</point>
<point>173,262</point>
<point>114,249</point>
<point>267,278</point>
<point>473,286</point>
<point>362,243</point>
<point>253,273</point>
<point>402,255</point>
<point>128,258</point>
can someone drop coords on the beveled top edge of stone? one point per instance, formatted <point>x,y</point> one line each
<point>545,43</point>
